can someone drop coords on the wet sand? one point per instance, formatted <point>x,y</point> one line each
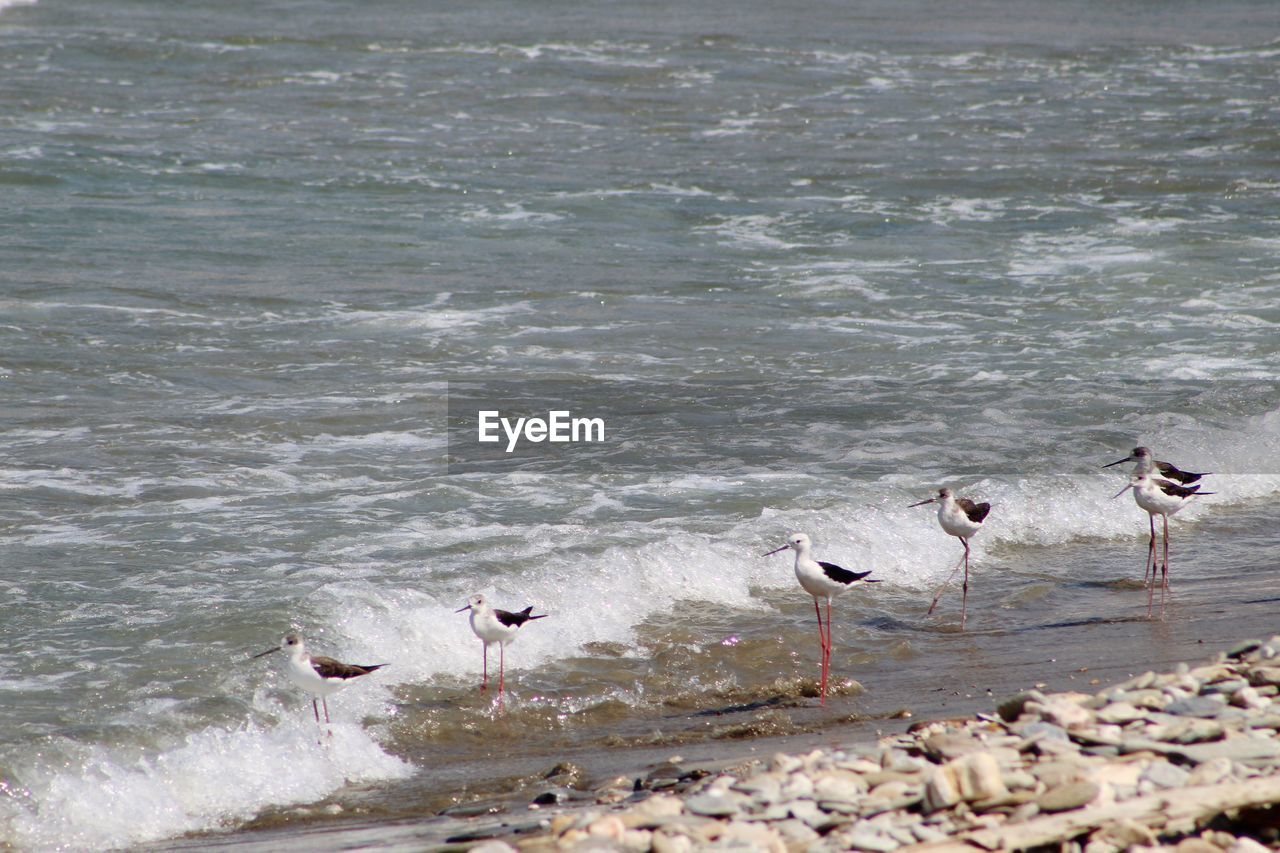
<point>1028,628</point>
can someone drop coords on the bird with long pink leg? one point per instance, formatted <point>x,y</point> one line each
<point>496,626</point>
<point>1145,463</point>
<point>822,580</point>
<point>1162,498</point>
<point>961,518</point>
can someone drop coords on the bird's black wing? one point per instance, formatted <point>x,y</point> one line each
<point>1177,474</point>
<point>842,575</point>
<point>1174,490</point>
<point>976,512</point>
<point>330,668</point>
<point>515,620</point>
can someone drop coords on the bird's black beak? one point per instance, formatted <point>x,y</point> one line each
<point>922,503</point>
<point>1119,462</point>
<point>460,609</point>
<point>264,654</point>
<point>1125,489</point>
<point>776,550</point>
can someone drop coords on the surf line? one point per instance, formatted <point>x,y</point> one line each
<point>558,427</point>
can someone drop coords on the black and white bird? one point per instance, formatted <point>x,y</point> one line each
<point>1162,498</point>
<point>496,626</point>
<point>1146,464</point>
<point>822,580</point>
<point>961,518</point>
<point>318,675</point>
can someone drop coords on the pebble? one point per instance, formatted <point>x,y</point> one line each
<point>942,790</point>
<point>1196,706</point>
<point>1236,749</point>
<point>1072,795</point>
<point>870,840</point>
<point>979,777</point>
<point>961,780</point>
<point>1044,731</point>
<point>1211,772</point>
<point>712,805</point>
<point>839,788</point>
<point>493,846</point>
<point>1061,711</point>
<point>1265,675</point>
<point>1120,713</point>
<point>609,826</point>
<point>1012,708</point>
<point>1162,774</point>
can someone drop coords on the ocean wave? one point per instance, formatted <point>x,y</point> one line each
<point>98,798</point>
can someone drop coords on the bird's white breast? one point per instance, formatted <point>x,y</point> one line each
<point>487,627</point>
<point>955,522</point>
<point>814,580</point>
<point>304,675</point>
<point>1151,499</point>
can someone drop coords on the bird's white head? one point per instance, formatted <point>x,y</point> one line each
<point>796,541</point>
<point>475,602</point>
<point>291,643</point>
<point>944,495</point>
<point>1141,455</point>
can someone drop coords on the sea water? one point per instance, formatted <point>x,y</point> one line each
<point>260,263</point>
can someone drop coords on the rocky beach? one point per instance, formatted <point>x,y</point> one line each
<point>1187,759</point>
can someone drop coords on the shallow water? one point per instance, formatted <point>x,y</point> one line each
<point>261,266</point>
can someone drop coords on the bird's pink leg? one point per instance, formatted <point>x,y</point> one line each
<point>502,667</point>
<point>827,661</point>
<point>964,599</point>
<point>1150,565</point>
<point>484,683</point>
<point>822,641</point>
<point>325,701</point>
<point>1164,572</point>
<point>315,709</point>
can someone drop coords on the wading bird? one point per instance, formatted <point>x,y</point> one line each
<point>1145,463</point>
<point>822,581</point>
<point>961,518</point>
<point>1162,498</point>
<point>320,676</point>
<point>495,626</point>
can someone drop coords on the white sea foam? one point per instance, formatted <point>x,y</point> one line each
<point>631,579</point>
<point>750,232</point>
<point>435,317</point>
<point>510,212</point>
<point>100,798</point>
<point>623,574</point>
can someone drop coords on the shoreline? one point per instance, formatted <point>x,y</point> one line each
<point>1160,758</point>
<point>1087,632</point>
<point>601,783</point>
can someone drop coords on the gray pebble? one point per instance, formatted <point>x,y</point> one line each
<point>1196,706</point>
<point>1162,774</point>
